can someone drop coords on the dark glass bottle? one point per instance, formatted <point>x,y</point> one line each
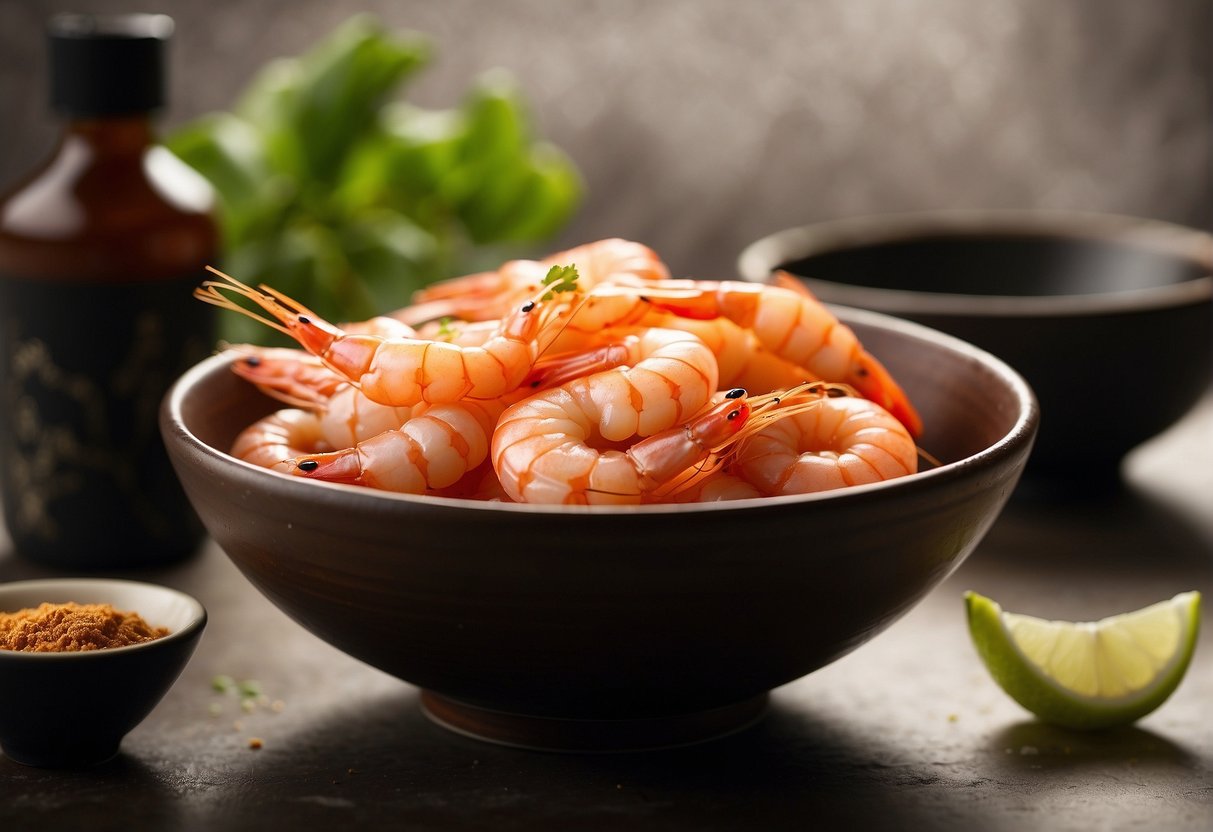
<point>99,251</point>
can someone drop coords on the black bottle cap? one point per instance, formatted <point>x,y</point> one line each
<point>103,65</point>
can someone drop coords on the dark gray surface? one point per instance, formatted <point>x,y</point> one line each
<point>701,125</point>
<point>908,732</point>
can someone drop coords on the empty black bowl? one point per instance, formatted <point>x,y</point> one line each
<point>1108,318</point>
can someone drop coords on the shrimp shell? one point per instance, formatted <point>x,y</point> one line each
<point>834,443</point>
<point>270,441</point>
<point>541,447</point>
<point>434,449</point>
<point>402,371</point>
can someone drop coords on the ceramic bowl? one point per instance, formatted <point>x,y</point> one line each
<point>73,708</point>
<point>1109,318</point>
<point>609,627</point>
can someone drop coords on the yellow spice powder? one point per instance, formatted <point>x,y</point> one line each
<point>53,628</point>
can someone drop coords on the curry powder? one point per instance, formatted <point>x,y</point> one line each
<point>53,628</point>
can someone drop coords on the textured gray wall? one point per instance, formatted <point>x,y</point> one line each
<point>702,124</point>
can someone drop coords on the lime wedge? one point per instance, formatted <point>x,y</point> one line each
<point>1087,674</point>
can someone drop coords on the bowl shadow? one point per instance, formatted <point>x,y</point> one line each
<point>789,765</point>
<point>134,795</point>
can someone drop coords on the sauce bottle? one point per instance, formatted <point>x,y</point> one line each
<point>99,251</point>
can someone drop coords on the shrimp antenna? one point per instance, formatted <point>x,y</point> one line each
<point>212,292</point>
<point>561,323</point>
<point>694,474</point>
<point>930,458</point>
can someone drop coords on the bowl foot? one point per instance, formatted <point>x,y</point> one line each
<point>540,733</point>
<point>81,755</point>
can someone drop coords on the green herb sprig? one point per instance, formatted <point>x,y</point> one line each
<point>335,191</point>
<point>560,279</point>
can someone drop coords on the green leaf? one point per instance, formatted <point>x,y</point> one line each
<point>337,195</point>
<point>560,279</point>
<point>392,257</point>
<point>497,127</point>
<point>403,165</point>
<point>319,108</point>
<point>549,193</point>
<point>230,153</point>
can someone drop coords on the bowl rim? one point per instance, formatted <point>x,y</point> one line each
<point>197,622</point>
<point>1022,432</point>
<point>758,259</point>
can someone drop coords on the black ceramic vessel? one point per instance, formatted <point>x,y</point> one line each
<point>1110,319</point>
<point>72,709</point>
<point>607,627</point>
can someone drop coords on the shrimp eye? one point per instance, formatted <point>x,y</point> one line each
<point>733,414</point>
<point>305,320</point>
<point>253,361</point>
<point>528,306</point>
<point>309,465</point>
<point>735,393</point>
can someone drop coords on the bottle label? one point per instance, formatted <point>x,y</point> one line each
<point>83,367</point>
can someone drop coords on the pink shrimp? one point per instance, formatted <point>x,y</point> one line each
<point>718,485</point>
<point>492,294</point>
<point>270,441</point>
<point>345,414</point>
<point>540,440</point>
<point>744,361</point>
<point>794,326</point>
<point>548,449</point>
<point>402,371</point>
<point>433,450</point>
<point>831,443</point>
<point>542,453</point>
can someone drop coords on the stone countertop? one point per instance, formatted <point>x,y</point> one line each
<point>907,732</point>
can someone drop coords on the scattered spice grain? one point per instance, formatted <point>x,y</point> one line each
<point>57,628</point>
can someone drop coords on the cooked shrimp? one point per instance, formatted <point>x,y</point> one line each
<point>433,450</point>
<point>270,441</point>
<point>832,443</point>
<point>289,375</point>
<point>542,452</point>
<point>715,487</point>
<point>493,294</point>
<point>544,449</point>
<point>743,360</point>
<point>671,376</point>
<point>381,325</point>
<point>345,414</point>
<point>796,327</point>
<point>480,483</point>
<point>402,371</point>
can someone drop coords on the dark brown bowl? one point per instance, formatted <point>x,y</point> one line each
<point>606,626</point>
<point>1109,318</point>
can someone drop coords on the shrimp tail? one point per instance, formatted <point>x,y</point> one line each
<point>874,382</point>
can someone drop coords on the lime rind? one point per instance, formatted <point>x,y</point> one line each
<point>1031,686</point>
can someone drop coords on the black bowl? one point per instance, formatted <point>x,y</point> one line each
<point>595,627</point>
<point>73,708</point>
<point>1108,318</point>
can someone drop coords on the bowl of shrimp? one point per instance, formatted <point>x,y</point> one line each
<point>1078,303</point>
<point>584,506</point>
